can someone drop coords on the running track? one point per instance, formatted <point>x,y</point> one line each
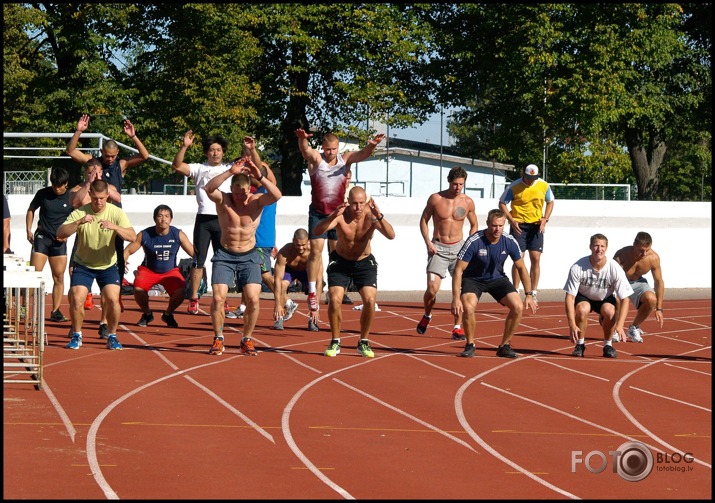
<point>164,420</point>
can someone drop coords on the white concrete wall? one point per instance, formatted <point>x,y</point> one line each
<point>682,235</point>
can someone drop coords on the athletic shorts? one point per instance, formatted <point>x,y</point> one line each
<point>264,253</point>
<point>444,260</point>
<point>497,288</point>
<point>84,276</point>
<point>361,272</point>
<point>640,286</point>
<point>595,304</point>
<point>171,280</point>
<point>531,237</point>
<point>206,230</point>
<point>314,218</point>
<point>45,244</point>
<point>236,269</point>
<point>293,274</point>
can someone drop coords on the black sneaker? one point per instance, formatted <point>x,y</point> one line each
<point>145,319</point>
<point>103,331</point>
<point>505,351</point>
<point>579,350</point>
<point>609,352</point>
<point>57,316</point>
<point>469,350</point>
<point>346,299</point>
<point>169,320</point>
<point>422,325</point>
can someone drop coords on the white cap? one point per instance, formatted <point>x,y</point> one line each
<point>531,172</point>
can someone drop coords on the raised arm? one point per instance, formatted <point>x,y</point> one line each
<point>365,152</point>
<point>272,194</point>
<point>329,223</point>
<point>138,158</point>
<point>179,165</point>
<point>309,153</point>
<point>77,155</point>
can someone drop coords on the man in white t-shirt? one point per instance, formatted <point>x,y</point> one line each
<point>590,287</point>
<point>206,227</point>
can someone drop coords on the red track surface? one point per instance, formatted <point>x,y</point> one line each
<point>164,420</point>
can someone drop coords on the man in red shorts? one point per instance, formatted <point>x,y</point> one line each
<point>161,244</point>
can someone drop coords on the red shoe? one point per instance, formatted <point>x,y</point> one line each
<point>313,301</point>
<point>247,348</point>
<point>193,306</point>
<point>458,334</point>
<point>422,325</point>
<point>89,302</point>
<point>217,348</point>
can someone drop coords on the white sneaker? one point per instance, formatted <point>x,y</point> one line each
<point>238,313</point>
<point>634,334</point>
<point>291,307</point>
<point>359,308</point>
<point>616,337</point>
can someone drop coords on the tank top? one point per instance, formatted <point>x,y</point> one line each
<point>328,184</point>
<point>160,251</point>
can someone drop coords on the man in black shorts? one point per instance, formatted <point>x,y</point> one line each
<point>355,221</point>
<point>479,269</point>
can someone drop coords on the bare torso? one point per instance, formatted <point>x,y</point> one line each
<point>295,260</point>
<point>448,215</point>
<point>634,266</point>
<point>238,223</point>
<point>354,235</point>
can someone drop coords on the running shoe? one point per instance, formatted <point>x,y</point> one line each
<point>217,347</point>
<point>290,309</point>
<point>193,306</point>
<point>247,347</point>
<point>469,349</point>
<point>422,325</point>
<point>238,313</point>
<point>76,341</point>
<point>313,301</point>
<point>458,334</point>
<point>333,348</point>
<point>113,343</point>
<point>615,337</point>
<point>634,334</point>
<point>505,351</point>
<point>226,308</point>
<point>57,316</point>
<point>168,318</point>
<point>364,349</point>
<point>145,319</point>
<point>278,325</point>
<point>103,331</point>
<point>89,302</point>
<point>312,326</point>
<point>579,350</point>
<point>609,352</point>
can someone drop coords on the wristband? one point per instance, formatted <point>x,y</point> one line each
<point>133,136</point>
<point>261,178</point>
<point>528,293</point>
<point>659,309</point>
<point>381,217</point>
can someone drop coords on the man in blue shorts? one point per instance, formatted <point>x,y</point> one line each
<point>237,261</point>
<point>97,225</point>
<point>479,269</point>
<point>291,265</point>
<point>528,219</point>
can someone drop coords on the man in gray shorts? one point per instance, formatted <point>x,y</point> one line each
<point>237,259</point>
<point>638,260</point>
<point>448,210</point>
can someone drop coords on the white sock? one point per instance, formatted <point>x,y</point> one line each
<point>607,343</point>
<point>581,341</point>
<point>457,327</point>
<point>311,286</point>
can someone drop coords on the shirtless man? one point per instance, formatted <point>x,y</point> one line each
<point>448,209</point>
<point>329,176</point>
<point>291,264</point>
<point>237,260</point>
<point>355,222</point>
<point>638,260</point>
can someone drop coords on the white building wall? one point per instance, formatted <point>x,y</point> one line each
<point>682,235</point>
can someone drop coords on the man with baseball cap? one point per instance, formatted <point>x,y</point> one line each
<point>528,218</point>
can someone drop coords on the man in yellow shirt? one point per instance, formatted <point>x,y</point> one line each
<point>528,219</point>
<point>97,225</point>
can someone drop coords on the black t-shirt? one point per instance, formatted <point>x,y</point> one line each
<point>54,209</point>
